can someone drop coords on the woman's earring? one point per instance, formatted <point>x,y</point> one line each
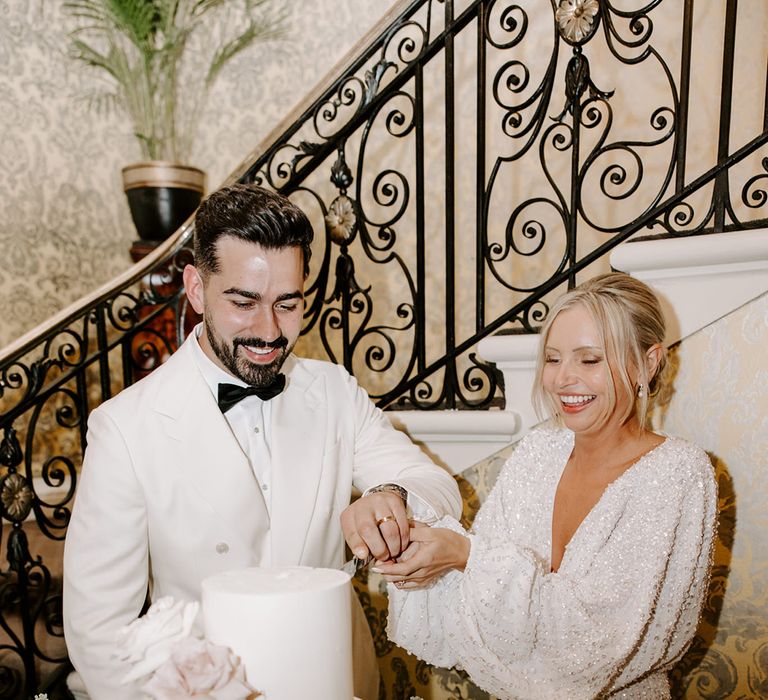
<point>640,391</point>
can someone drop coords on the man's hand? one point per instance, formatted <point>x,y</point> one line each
<point>376,524</point>
<point>432,551</point>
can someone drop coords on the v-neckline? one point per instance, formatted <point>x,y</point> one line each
<point>595,507</point>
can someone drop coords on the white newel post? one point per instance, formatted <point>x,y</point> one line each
<point>515,355</point>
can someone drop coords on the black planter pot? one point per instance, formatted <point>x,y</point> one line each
<point>161,196</point>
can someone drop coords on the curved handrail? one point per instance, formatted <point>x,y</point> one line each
<point>129,277</point>
<point>378,231</point>
<point>183,236</point>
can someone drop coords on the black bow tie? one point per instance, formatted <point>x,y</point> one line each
<point>231,394</point>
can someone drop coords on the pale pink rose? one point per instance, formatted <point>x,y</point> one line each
<point>199,669</point>
<point>147,642</point>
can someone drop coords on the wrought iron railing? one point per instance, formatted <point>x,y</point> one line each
<point>407,90</point>
<point>469,162</point>
<point>48,385</point>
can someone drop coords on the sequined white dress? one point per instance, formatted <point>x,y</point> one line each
<point>617,615</point>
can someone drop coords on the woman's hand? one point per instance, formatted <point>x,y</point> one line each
<point>432,551</point>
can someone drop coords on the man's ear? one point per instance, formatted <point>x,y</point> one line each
<point>652,359</point>
<point>194,288</point>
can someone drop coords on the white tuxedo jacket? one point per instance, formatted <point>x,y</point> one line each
<point>167,497</point>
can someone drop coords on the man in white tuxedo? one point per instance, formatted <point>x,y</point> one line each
<point>235,453</point>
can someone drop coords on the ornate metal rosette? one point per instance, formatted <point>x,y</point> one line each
<point>341,220</point>
<point>577,20</point>
<point>16,497</point>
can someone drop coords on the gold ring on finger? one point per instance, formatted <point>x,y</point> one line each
<point>384,519</point>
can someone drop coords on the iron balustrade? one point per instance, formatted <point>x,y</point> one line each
<point>48,385</point>
<point>573,117</point>
<point>369,160</point>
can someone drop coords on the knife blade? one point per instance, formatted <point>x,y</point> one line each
<point>354,564</point>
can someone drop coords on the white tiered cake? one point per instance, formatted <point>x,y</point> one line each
<point>291,628</point>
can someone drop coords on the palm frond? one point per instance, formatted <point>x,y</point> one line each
<point>86,53</point>
<point>104,102</point>
<point>268,27</point>
<point>136,20</point>
<point>141,45</point>
<point>101,101</point>
<point>201,7</point>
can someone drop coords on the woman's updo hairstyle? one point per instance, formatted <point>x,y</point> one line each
<point>629,319</point>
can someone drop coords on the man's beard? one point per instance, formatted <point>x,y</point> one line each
<point>246,371</point>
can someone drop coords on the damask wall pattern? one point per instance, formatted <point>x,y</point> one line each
<point>719,400</point>
<point>64,223</point>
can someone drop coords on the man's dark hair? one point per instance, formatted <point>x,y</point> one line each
<point>252,214</point>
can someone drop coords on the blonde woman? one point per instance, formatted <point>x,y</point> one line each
<point>584,574</point>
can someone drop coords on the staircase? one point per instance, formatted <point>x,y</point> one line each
<point>469,163</point>
<point>699,281</point>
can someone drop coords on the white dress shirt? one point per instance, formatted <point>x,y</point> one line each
<point>250,421</point>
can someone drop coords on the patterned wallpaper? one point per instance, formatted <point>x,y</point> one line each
<point>64,223</point>
<point>719,401</point>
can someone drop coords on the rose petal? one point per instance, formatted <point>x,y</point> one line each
<point>148,641</point>
<point>199,669</point>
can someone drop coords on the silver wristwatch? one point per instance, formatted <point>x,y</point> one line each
<point>391,488</point>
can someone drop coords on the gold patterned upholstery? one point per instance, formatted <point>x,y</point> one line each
<point>720,402</point>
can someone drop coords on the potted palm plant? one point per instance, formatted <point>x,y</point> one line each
<point>160,59</point>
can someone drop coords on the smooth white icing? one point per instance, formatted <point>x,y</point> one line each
<point>291,628</point>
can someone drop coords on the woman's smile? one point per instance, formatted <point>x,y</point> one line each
<point>574,403</point>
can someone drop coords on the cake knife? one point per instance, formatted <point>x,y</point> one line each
<point>354,564</point>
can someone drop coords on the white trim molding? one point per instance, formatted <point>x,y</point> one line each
<point>515,357</point>
<point>458,439</point>
<point>699,279</point>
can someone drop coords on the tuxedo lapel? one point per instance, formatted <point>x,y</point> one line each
<point>298,443</point>
<point>207,451</point>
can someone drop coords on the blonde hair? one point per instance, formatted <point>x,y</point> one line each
<point>629,320</point>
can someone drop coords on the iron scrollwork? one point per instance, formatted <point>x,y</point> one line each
<point>374,221</point>
<point>46,391</point>
<point>27,598</point>
<point>550,176</point>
